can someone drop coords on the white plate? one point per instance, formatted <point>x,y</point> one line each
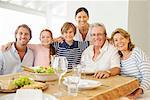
<point>86,84</point>
<point>12,95</point>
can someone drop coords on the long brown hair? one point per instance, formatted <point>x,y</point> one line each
<point>52,49</point>
<point>126,35</point>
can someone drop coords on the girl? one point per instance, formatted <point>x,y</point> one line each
<point>44,51</point>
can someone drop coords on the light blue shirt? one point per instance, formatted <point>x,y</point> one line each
<point>10,61</point>
<point>137,65</point>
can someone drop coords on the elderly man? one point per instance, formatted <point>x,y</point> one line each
<point>18,55</point>
<point>101,57</point>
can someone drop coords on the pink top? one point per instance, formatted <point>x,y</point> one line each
<point>41,55</point>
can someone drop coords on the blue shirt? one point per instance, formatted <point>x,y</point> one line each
<point>71,52</point>
<point>137,65</point>
<point>10,61</point>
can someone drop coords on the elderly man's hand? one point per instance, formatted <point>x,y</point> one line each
<point>102,74</point>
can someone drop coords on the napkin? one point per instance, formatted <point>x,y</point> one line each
<point>29,94</point>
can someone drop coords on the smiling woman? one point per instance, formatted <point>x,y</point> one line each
<point>134,62</point>
<point>83,27</point>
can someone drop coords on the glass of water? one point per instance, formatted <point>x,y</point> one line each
<point>82,68</point>
<point>73,82</point>
<point>60,65</point>
<point>76,71</point>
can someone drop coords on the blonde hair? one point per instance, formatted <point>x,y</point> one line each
<point>66,26</point>
<point>126,35</point>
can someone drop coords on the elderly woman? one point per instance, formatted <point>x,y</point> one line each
<point>101,56</point>
<point>134,62</point>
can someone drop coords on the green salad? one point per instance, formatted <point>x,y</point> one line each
<point>21,81</point>
<point>48,70</point>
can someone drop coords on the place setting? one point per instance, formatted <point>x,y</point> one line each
<point>75,83</point>
<point>20,82</point>
<point>26,83</point>
<point>24,88</point>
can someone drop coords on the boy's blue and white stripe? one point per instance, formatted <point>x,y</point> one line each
<point>73,53</point>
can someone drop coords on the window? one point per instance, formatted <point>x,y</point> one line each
<point>10,20</point>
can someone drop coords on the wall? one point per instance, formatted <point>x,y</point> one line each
<point>148,37</point>
<point>138,23</point>
<point>112,13</point>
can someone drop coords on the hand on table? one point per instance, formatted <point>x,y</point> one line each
<point>102,74</point>
<point>135,94</point>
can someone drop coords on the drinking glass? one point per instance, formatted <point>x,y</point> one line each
<point>82,68</point>
<point>60,65</point>
<point>73,82</point>
<point>76,70</point>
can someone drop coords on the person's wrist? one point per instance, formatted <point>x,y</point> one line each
<point>109,72</point>
<point>141,90</point>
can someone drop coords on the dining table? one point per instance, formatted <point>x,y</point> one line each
<point>111,88</point>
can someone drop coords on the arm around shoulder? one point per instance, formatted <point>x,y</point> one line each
<point>6,46</point>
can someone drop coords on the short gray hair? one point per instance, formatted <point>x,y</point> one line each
<point>99,25</point>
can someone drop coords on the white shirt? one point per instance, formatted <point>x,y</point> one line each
<point>10,61</point>
<point>108,58</point>
<point>78,36</point>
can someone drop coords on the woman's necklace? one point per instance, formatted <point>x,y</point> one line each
<point>126,56</point>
